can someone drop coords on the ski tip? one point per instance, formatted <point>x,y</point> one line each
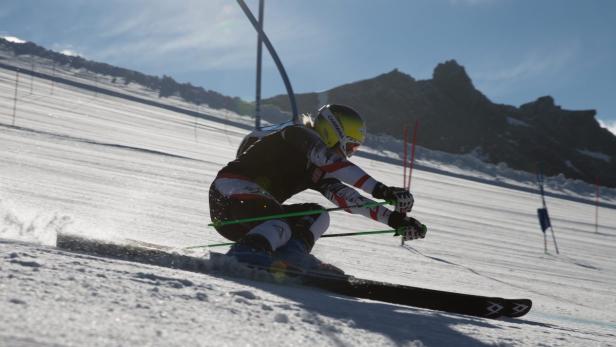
<point>518,308</point>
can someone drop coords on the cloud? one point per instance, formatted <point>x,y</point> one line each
<point>13,39</point>
<point>68,50</point>
<point>214,34</point>
<point>533,64</point>
<point>609,125</point>
<point>70,53</point>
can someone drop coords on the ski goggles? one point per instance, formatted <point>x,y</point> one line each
<point>350,148</point>
<point>347,144</point>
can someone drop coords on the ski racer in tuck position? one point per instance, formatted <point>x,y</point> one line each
<point>274,164</point>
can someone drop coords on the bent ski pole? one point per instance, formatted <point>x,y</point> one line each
<point>293,214</point>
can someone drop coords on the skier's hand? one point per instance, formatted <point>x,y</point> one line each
<point>400,197</point>
<point>407,227</point>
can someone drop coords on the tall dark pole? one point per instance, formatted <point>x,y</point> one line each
<point>32,76</point>
<point>15,97</point>
<point>259,50</point>
<point>53,79</point>
<point>275,58</point>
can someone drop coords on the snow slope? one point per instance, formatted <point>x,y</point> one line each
<point>113,169</point>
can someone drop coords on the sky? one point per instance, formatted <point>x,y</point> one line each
<point>514,50</point>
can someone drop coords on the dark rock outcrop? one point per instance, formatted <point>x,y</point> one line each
<point>455,117</point>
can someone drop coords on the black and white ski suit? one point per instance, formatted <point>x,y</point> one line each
<point>278,166</point>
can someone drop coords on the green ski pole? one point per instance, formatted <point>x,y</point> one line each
<point>326,235</point>
<point>293,214</point>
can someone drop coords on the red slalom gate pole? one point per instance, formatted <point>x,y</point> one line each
<point>597,205</point>
<point>413,153</point>
<point>406,143</point>
<point>404,162</point>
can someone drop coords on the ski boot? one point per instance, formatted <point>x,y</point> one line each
<point>252,250</point>
<point>297,255</point>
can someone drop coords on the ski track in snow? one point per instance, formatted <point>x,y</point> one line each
<point>108,168</point>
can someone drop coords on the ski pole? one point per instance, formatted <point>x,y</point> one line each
<point>361,233</point>
<point>212,245</point>
<point>294,214</point>
<point>328,235</point>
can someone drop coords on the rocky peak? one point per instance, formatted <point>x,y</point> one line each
<point>452,75</point>
<point>395,75</point>
<point>543,104</point>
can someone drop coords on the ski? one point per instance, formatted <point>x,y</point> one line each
<point>475,305</point>
<point>452,302</point>
<point>515,308</point>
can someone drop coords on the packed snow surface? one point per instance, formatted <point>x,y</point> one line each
<point>107,168</point>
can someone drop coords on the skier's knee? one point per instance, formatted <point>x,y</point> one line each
<point>276,231</point>
<point>320,225</point>
<point>310,228</point>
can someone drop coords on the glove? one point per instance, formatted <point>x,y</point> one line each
<point>402,198</point>
<point>407,227</point>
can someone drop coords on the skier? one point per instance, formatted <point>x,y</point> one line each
<point>274,164</point>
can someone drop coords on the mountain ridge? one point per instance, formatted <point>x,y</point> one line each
<point>166,85</point>
<point>456,117</point>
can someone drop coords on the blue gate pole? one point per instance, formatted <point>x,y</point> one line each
<point>541,220</point>
<point>259,54</point>
<point>544,217</point>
